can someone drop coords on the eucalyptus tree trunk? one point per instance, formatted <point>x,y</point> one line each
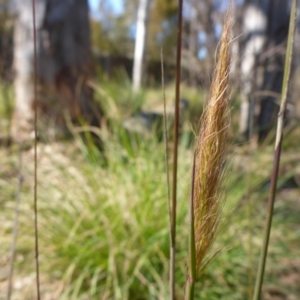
<point>254,27</point>
<point>277,32</point>
<point>63,64</point>
<point>265,30</point>
<point>140,40</point>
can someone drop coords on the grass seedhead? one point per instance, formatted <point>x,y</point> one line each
<point>209,162</point>
<point>210,154</point>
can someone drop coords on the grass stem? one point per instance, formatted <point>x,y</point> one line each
<point>36,235</point>
<point>191,277</point>
<point>175,155</point>
<point>166,152</point>
<point>166,136</point>
<point>277,153</point>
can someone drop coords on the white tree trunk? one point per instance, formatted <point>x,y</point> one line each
<point>22,125</point>
<point>140,41</point>
<point>265,28</point>
<point>254,21</point>
<point>64,64</point>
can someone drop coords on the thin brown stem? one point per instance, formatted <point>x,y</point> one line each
<point>175,155</point>
<point>35,159</point>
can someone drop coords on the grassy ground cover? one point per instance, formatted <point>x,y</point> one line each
<point>103,215</point>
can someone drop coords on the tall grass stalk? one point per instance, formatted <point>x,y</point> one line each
<point>209,161</point>
<point>192,247</point>
<point>277,153</point>
<point>166,141</point>
<point>36,235</point>
<point>175,154</point>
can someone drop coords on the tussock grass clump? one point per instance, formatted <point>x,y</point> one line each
<point>104,228</point>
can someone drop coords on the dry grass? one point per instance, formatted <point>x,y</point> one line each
<point>210,154</point>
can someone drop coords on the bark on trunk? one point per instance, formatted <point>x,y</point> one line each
<point>64,64</point>
<point>265,30</point>
<point>140,40</point>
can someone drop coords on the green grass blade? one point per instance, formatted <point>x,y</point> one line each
<point>277,152</point>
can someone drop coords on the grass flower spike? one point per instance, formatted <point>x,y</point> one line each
<point>209,160</point>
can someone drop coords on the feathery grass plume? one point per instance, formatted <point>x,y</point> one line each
<point>209,160</point>
<point>210,153</point>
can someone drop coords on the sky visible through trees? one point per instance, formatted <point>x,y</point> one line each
<point>116,5</point>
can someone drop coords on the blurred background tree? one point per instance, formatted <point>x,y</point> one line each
<point>6,29</point>
<point>63,64</point>
<point>112,39</point>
